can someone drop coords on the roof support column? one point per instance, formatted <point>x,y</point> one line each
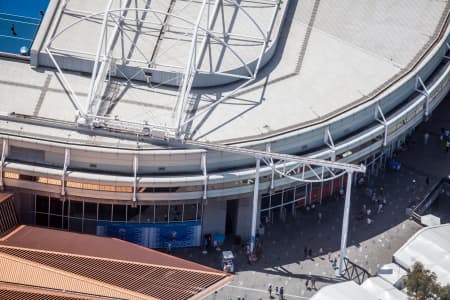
<point>205,176</point>
<point>5,149</point>
<point>448,48</point>
<point>424,92</point>
<point>328,140</point>
<point>63,177</point>
<point>135,169</point>
<point>345,222</point>
<point>255,206</point>
<point>382,121</point>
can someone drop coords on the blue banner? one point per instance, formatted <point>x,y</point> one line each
<point>150,235</point>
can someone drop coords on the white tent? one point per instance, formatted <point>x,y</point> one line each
<point>393,273</point>
<point>382,289</point>
<point>348,290</point>
<point>431,247</point>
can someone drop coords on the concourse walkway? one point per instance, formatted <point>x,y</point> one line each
<point>369,245</point>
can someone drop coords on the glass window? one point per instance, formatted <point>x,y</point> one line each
<point>133,214</point>
<point>147,213</point>
<point>190,212</point>
<point>75,225</point>
<point>288,196</point>
<point>55,221</point>
<point>76,209</point>
<point>104,212</point>
<point>161,212</point>
<point>119,213</point>
<point>55,206</point>
<point>41,219</point>
<point>90,226</point>
<point>175,213</point>
<point>42,204</point>
<point>276,199</point>
<point>265,201</point>
<point>65,205</point>
<point>90,210</point>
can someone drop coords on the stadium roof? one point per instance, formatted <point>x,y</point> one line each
<point>91,266</point>
<point>329,57</point>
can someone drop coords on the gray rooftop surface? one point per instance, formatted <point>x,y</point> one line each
<point>330,54</point>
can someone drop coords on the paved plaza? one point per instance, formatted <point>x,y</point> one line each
<point>370,246</point>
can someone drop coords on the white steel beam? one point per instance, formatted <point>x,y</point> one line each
<point>189,72</point>
<point>448,48</point>
<point>99,73</point>
<point>135,170</point>
<point>328,140</point>
<point>345,222</point>
<point>255,207</point>
<point>5,149</point>
<point>424,91</point>
<point>205,176</point>
<point>91,93</point>
<point>64,172</point>
<point>379,112</point>
<point>277,156</point>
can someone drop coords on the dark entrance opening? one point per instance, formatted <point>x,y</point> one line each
<point>231,217</point>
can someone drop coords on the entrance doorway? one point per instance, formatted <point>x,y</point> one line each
<point>231,217</point>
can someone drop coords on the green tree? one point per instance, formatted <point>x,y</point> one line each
<point>421,283</point>
<point>444,292</point>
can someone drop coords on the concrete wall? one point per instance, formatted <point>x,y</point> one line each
<point>215,216</point>
<point>244,218</point>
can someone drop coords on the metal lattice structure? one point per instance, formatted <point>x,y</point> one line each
<point>203,32</point>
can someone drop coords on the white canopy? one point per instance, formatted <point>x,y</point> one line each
<point>348,290</point>
<point>392,273</point>
<point>382,289</point>
<point>431,247</point>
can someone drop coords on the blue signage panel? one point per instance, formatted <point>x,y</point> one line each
<point>177,235</point>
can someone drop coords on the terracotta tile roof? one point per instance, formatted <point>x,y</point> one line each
<point>113,262</point>
<point>91,245</point>
<point>24,292</point>
<point>5,196</point>
<point>8,217</point>
<point>23,272</point>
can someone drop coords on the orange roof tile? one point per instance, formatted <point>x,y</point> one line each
<point>114,262</point>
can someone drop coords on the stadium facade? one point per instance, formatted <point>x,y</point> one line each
<point>128,121</point>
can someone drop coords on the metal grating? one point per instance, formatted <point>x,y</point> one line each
<point>151,280</point>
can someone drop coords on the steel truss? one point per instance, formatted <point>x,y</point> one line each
<point>295,168</point>
<point>105,63</point>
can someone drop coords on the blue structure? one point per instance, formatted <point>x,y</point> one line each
<point>19,22</point>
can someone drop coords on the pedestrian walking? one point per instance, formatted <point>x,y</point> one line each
<point>319,217</point>
<point>269,289</point>
<point>426,136</point>
<point>307,283</point>
<point>427,180</point>
<point>313,283</point>
<point>380,208</point>
<point>305,252</point>
<point>447,145</point>
<point>281,293</point>
<point>310,252</point>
